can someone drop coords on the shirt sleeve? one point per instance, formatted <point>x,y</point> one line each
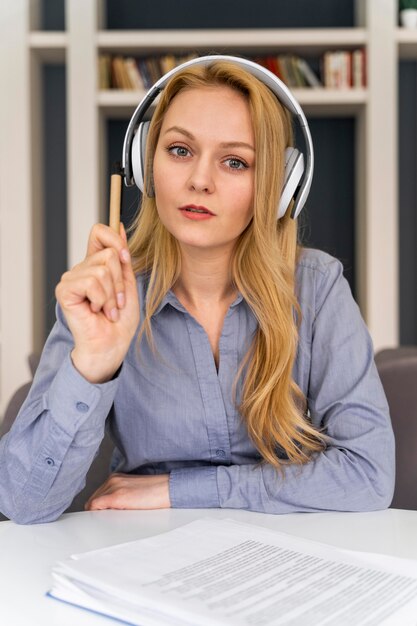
<point>345,397</point>
<point>45,456</point>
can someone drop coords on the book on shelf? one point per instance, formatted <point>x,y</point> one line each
<point>134,75</point>
<point>104,71</point>
<point>222,572</point>
<point>293,70</point>
<point>117,72</point>
<point>340,69</point>
<point>359,78</point>
<point>344,69</point>
<point>310,77</point>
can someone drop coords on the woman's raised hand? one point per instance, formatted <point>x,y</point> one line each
<point>100,303</point>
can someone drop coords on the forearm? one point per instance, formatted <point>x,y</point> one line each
<point>334,481</point>
<point>47,453</point>
<point>337,480</point>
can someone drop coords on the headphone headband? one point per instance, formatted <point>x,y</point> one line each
<point>275,85</point>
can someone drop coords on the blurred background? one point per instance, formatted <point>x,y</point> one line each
<point>67,99</point>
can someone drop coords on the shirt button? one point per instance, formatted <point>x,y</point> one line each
<point>220,453</point>
<point>82,407</point>
<point>49,461</point>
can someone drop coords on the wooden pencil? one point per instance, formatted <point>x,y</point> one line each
<point>115,197</point>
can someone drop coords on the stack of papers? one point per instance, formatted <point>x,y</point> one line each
<point>222,572</point>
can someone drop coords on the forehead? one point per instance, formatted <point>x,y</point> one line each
<point>202,108</point>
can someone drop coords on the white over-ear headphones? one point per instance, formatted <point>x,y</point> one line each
<point>298,174</point>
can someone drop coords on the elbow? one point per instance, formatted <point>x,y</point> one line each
<point>24,508</point>
<point>372,497</point>
<point>27,516</point>
<point>384,491</point>
<point>31,519</point>
<point>380,498</point>
<point>379,487</point>
<point>369,482</point>
<point>24,511</point>
<point>382,479</point>
<point>373,478</point>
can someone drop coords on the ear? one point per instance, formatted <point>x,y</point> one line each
<point>294,169</point>
<point>138,156</point>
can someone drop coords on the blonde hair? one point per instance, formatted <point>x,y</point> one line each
<point>262,269</point>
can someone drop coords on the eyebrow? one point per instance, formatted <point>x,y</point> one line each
<point>224,144</point>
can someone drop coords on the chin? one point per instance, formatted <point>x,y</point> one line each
<point>207,245</point>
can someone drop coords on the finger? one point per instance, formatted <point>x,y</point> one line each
<point>101,237</point>
<point>120,491</point>
<point>95,496</point>
<point>123,232</point>
<point>110,498</point>
<point>73,291</point>
<point>92,284</point>
<point>128,274</point>
<point>109,501</point>
<point>109,258</point>
<point>121,497</point>
<point>98,504</point>
<point>110,484</point>
<point>104,299</point>
<point>93,503</point>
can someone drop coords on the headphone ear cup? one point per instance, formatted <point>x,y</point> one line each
<point>294,170</point>
<point>138,154</point>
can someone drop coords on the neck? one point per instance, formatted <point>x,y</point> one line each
<point>204,278</point>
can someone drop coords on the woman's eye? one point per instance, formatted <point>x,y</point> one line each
<point>236,164</point>
<point>179,151</point>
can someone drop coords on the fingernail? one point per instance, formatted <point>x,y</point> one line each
<point>114,314</point>
<point>120,299</point>
<point>125,255</point>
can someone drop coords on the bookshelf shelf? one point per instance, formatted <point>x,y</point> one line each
<point>121,103</point>
<point>304,41</point>
<point>407,43</point>
<point>50,47</point>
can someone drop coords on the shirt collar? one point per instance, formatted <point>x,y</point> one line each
<point>171,298</point>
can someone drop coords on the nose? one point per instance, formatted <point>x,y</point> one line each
<point>201,176</point>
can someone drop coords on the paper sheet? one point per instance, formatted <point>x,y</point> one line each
<point>225,572</point>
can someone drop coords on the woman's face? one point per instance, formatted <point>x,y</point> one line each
<point>204,167</point>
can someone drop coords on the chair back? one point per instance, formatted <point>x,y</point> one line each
<point>100,467</point>
<point>397,368</point>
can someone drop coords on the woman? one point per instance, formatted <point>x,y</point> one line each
<point>233,367</point>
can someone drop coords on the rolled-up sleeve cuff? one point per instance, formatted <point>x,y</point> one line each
<point>194,488</point>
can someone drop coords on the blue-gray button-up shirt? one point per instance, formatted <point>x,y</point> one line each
<point>173,412</point>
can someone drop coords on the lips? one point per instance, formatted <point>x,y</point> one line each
<point>196,209</point>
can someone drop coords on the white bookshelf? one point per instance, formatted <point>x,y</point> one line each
<point>48,47</point>
<point>407,43</point>
<point>319,102</point>
<point>304,40</point>
<point>87,111</point>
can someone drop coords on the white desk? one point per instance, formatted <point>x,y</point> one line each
<point>27,553</point>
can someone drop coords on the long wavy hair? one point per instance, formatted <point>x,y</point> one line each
<point>262,269</point>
